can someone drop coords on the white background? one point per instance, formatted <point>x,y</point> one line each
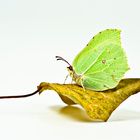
<point>32,32</point>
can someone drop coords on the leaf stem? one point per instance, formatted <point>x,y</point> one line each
<point>20,96</point>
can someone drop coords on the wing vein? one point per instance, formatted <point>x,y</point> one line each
<point>105,42</point>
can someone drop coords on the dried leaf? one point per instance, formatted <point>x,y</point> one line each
<point>98,105</point>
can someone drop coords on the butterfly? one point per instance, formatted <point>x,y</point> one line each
<point>101,64</point>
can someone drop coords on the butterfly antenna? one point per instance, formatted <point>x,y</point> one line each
<point>61,58</point>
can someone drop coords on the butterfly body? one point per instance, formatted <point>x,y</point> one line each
<point>75,77</point>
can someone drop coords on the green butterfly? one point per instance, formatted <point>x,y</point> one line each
<point>101,64</point>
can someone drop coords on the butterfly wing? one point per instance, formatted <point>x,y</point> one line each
<point>102,63</point>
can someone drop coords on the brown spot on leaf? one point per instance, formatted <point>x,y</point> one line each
<point>104,61</point>
<point>113,77</point>
<point>105,86</point>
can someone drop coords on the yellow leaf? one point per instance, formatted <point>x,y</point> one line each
<point>98,105</point>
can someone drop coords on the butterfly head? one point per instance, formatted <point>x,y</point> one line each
<point>71,71</point>
<point>75,77</point>
<point>69,68</point>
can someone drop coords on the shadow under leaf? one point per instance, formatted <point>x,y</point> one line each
<point>72,112</point>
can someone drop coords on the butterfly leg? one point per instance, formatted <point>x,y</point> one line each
<point>66,78</point>
<point>72,79</point>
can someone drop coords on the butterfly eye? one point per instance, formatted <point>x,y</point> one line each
<point>70,68</point>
